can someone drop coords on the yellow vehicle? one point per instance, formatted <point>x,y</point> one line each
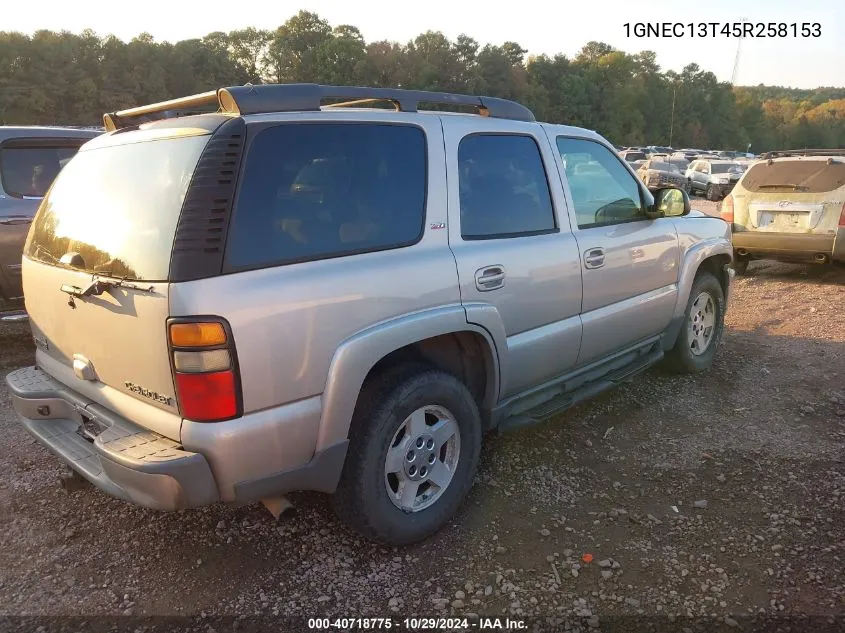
<point>789,206</point>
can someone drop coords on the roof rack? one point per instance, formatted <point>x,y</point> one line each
<point>804,152</point>
<point>267,98</point>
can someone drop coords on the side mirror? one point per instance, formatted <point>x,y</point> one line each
<point>670,202</point>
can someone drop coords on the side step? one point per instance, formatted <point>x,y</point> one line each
<point>560,403</point>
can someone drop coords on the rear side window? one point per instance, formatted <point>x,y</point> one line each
<point>799,176</point>
<point>503,187</point>
<point>318,190</point>
<point>29,171</point>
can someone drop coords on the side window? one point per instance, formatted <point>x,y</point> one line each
<point>606,193</point>
<point>318,190</point>
<point>503,187</point>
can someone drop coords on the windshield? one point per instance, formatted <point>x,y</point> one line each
<point>806,176</point>
<point>632,156</point>
<point>659,166</point>
<point>117,206</point>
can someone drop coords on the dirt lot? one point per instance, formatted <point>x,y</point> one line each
<point>714,497</point>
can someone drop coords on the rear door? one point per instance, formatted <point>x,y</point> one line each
<point>111,212</point>
<point>510,234</point>
<point>28,166</point>
<point>629,262</point>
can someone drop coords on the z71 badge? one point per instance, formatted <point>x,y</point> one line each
<point>152,395</point>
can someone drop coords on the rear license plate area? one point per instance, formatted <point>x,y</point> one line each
<point>781,220</point>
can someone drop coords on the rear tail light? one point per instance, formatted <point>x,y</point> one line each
<point>728,209</point>
<point>205,369</point>
<point>842,217</point>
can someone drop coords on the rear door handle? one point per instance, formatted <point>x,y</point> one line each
<point>489,278</point>
<point>594,258</point>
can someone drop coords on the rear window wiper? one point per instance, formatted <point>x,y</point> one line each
<point>802,187</point>
<point>99,285</point>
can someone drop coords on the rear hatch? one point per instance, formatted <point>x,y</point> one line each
<point>795,195</point>
<point>110,217</point>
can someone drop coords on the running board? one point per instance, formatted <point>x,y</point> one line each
<point>560,403</point>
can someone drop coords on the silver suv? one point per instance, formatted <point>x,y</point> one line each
<point>286,295</point>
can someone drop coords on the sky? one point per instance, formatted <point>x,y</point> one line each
<point>547,26</point>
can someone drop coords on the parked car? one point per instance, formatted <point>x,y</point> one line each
<point>632,155</point>
<point>279,295</point>
<point>657,174</point>
<point>714,178</point>
<point>680,162</point>
<point>30,158</point>
<point>789,207</point>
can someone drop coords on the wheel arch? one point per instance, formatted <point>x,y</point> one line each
<point>442,337</point>
<point>713,256</point>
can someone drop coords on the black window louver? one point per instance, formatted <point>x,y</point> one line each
<point>204,220</point>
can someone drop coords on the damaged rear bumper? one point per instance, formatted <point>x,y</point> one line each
<point>122,459</point>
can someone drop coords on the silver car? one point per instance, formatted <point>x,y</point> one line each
<point>714,178</point>
<point>278,295</point>
<point>30,158</point>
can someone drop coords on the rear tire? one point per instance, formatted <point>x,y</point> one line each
<point>740,265</point>
<point>369,498</point>
<point>696,347</point>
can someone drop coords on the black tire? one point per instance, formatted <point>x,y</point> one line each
<point>361,500</point>
<point>681,358</point>
<point>711,194</point>
<point>740,265</point>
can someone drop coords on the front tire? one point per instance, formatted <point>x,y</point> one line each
<point>711,194</point>
<point>701,332</point>
<point>413,452</point>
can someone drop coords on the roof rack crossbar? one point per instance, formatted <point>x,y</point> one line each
<point>266,98</point>
<point>804,152</point>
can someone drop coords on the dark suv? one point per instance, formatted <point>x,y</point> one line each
<point>30,158</point>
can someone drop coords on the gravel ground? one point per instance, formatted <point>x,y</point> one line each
<point>700,499</point>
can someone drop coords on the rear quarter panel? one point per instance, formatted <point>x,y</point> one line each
<point>288,321</point>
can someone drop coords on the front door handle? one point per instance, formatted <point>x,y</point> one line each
<point>594,258</point>
<point>489,278</point>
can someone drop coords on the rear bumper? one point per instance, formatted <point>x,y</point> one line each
<point>124,460</point>
<point>797,246</point>
<point>148,469</point>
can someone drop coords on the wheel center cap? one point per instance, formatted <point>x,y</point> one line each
<point>420,458</point>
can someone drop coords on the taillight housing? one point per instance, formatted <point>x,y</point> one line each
<point>842,217</point>
<point>205,368</point>
<point>727,212</point>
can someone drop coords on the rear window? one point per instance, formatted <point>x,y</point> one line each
<point>117,206</point>
<point>318,190</point>
<point>632,156</point>
<point>29,171</point>
<point>801,176</point>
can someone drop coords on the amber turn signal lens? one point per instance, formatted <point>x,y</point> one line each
<point>197,334</point>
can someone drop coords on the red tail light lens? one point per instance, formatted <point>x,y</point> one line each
<point>728,209</point>
<point>207,397</point>
<point>205,369</point>
<point>842,217</point>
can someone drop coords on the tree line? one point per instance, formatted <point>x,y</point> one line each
<point>71,79</point>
